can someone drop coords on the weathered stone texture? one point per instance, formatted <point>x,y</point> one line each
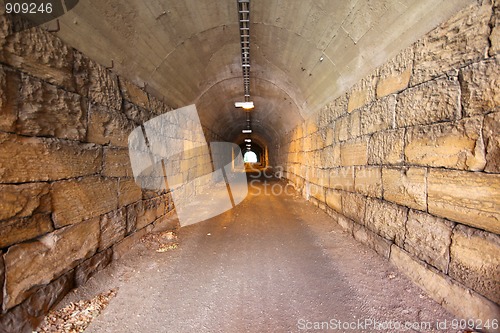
<point>428,238</point>
<point>10,82</point>
<point>379,116</point>
<point>45,110</point>
<point>451,145</point>
<point>41,54</point>
<point>317,192</point>
<point>458,41</point>
<point>89,267</point>
<point>495,30</point>
<point>338,107</point>
<point>22,229</point>
<point>77,200</point>
<point>353,206</point>
<point>444,290</point>
<point>386,219</point>
<point>128,192</point>
<point>24,200</point>
<point>113,228</point>
<point>346,224</point>
<point>491,137</point>
<point>379,244</point>
<point>334,200</point>
<point>386,147</point>
<point>475,261</point>
<point>29,265</point>
<point>24,159</point>
<point>479,83</point>
<point>354,152</point>
<point>135,113</point>
<point>342,179</point>
<point>368,181</point>
<point>433,101</point>
<point>2,280</point>
<point>25,317</point>
<point>469,198</point>
<point>394,75</point>
<point>107,126</point>
<point>116,163</point>
<point>330,156</point>
<point>406,186</point>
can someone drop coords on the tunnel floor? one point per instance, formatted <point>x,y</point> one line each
<point>275,263</point>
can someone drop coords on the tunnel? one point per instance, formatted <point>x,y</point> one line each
<point>375,192</point>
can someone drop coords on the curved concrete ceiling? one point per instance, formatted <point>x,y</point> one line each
<point>188,51</point>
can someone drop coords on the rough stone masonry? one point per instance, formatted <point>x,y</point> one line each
<point>408,161</point>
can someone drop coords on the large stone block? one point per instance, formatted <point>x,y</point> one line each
<point>354,152</point>
<point>107,126</point>
<point>334,200</point>
<point>342,128</point>
<point>116,163</point>
<point>330,156</point>
<point>45,110</point>
<point>149,211</point>
<point>428,103</point>
<point>10,84</point>
<point>18,230</point>
<point>41,54</point>
<point>451,145</point>
<point>26,317</point>
<point>368,181</point>
<point>90,267</point>
<point>29,265</point>
<point>460,40</point>
<point>379,244</point>
<point>24,200</point>
<point>342,179</point>
<point>113,228</point>
<point>362,93</point>
<point>469,198</point>
<point>386,147</point>
<point>491,137</point>
<point>379,116</point>
<point>386,219</point>
<point>450,294</point>
<point>475,261</point>
<point>24,159</point>
<point>128,192</point>
<point>97,83</point>
<point>317,192</point>
<point>394,75</point>
<point>428,238</point>
<point>133,93</point>
<point>77,200</point>
<point>353,206</point>
<point>406,186</point>
<point>479,83</point>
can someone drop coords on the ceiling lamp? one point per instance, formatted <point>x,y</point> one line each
<point>248,140</point>
<point>244,105</point>
<point>246,131</point>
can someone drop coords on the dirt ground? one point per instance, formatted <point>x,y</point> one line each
<point>275,263</point>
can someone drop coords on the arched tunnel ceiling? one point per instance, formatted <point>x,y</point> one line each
<point>188,51</point>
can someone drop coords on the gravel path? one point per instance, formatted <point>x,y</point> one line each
<point>275,263</point>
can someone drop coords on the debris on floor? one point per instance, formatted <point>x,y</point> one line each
<point>161,241</point>
<point>76,317</point>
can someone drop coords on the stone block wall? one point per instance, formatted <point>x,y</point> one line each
<point>69,204</point>
<point>408,162</point>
